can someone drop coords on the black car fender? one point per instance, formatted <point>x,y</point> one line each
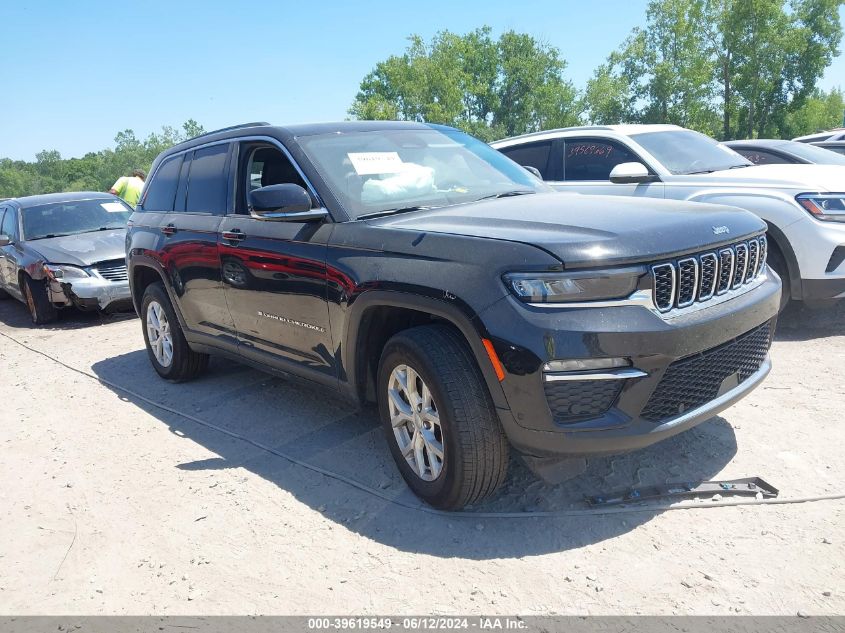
<point>149,263</point>
<point>444,306</point>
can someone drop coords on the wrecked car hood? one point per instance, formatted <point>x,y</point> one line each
<point>83,249</point>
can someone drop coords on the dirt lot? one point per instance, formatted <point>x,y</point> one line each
<point>111,505</point>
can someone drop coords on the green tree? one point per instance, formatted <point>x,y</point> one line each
<point>488,87</point>
<point>729,68</point>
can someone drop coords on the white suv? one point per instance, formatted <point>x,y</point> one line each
<point>804,205</point>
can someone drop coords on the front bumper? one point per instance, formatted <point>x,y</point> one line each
<point>652,344</point>
<point>816,245</point>
<point>91,293</point>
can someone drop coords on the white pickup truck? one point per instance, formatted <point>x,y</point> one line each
<point>803,205</point>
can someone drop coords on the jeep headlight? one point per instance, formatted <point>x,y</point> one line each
<point>824,206</point>
<point>574,287</point>
<point>61,271</point>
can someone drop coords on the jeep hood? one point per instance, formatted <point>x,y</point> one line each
<point>585,231</point>
<point>800,177</point>
<point>82,249</point>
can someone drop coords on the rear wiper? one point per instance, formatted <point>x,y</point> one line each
<point>378,214</point>
<point>507,194</point>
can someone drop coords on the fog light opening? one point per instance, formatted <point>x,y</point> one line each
<point>585,364</point>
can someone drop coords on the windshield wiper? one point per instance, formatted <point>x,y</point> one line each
<point>378,214</point>
<point>49,236</point>
<point>507,194</point>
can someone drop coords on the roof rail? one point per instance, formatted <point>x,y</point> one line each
<point>231,127</point>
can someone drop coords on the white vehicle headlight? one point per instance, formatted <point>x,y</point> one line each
<point>62,271</point>
<point>572,287</point>
<point>824,206</point>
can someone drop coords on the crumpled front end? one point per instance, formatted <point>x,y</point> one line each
<point>106,287</point>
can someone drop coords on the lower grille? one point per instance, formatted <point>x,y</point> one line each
<point>573,400</point>
<point>694,381</point>
<point>114,270</point>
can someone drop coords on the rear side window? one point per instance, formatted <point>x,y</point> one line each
<point>594,159</point>
<point>762,157</point>
<point>208,182</point>
<point>531,155</point>
<point>161,190</point>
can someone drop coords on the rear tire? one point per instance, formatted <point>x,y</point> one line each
<point>169,352</point>
<point>776,262</point>
<point>37,302</point>
<point>433,401</point>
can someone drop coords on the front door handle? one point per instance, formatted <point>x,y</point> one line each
<point>170,229</point>
<point>235,235</point>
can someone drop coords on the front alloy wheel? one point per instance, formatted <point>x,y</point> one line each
<point>159,335</point>
<point>415,422</point>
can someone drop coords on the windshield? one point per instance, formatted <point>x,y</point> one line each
<point>688,152</point>
<point>817,155</point>
<point>75,216</point>
<point>396,170</point>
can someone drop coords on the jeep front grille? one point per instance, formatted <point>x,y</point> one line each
<point>698,277</point>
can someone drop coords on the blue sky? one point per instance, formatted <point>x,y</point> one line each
<point>76,73</point>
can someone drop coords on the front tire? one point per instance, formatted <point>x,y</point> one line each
<point>439,419</point>
<point>169,352</point>
<point>41,311</point>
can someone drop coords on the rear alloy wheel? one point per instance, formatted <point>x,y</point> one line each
<point>439,419</point>
<point>167,348</point>
<point>37,302</point>
<point>159,335</point>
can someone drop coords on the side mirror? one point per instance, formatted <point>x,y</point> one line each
<point>534,171</point>
<point>5,240</point>
<point>629,173</point>
<point>286,203</point>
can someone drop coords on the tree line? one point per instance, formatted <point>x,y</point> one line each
<point>96,171</point>
<point>728,68</point>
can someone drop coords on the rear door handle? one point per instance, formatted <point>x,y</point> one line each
<point>235,235</point>
<point>170,229</point>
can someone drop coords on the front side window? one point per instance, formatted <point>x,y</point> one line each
<point>74,217</point>
<point>388,171</point>
<point>531,155</point>
<point>262,166</point>
<point>684,152</point>
<point>593,159</point>
<point>8,223</point>
<point>208,183</point>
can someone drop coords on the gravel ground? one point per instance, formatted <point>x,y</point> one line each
<point>114,506</point>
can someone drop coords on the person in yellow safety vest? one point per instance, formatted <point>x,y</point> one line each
<point>129,187</point>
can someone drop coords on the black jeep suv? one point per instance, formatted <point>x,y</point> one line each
<point>414,266</point>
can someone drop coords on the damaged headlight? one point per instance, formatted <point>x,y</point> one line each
<point>573,287</point>
<point>60,272</point>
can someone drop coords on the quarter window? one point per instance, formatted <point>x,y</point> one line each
<point>531,155</point>
<point>208,184</point>
<point>162,188</point>
<point>593,159</point>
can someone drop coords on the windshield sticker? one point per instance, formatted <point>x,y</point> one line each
<point>368,163</point>
<point>113,207</point>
